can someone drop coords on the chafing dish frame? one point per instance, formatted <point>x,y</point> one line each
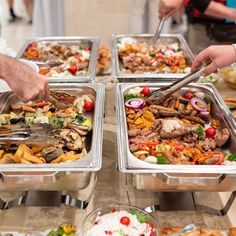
<point>81,78</point>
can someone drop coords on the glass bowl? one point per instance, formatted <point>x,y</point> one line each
<point>91,219</point>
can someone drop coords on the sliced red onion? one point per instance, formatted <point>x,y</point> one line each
<point>135,103</point>
<point>205,113</point>
<point>196,100</point>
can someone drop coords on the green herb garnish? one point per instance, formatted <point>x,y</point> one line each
<point>56,122</point>
<point>200,132</point>
<point>142,218</point>
<point>208,100</point>
<point>52,233</point>
<point>129,96</point>
<point>179,49</point>
<point>161,160</point>
<point>232,157</point>
<point>152,54</point>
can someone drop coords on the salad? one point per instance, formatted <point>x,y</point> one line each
<point>59,59</point>
<point>122,223</point>
<point>138,57</point>
<point>181,129</point>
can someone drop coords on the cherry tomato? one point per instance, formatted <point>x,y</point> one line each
<point>33,44</point>
<point>146,91</point>
<point>87,48</point>
<point>113,210</point>
<point>125,220</point>
<point>210,132</point>
<point>108,232</point>
<point>188,95</point>
<point>88,106</point>
<point>73,69</point>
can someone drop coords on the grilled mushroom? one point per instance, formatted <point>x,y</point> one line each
<point>51,153</point>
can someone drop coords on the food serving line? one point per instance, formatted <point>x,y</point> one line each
<point>172,183</point>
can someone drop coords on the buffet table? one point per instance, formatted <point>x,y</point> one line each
<point>111,189</point>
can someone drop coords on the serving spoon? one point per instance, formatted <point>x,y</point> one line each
<point>186,229</point>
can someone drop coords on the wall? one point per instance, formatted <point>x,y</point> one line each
<point>100,18</point>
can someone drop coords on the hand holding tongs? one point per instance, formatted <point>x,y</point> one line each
<point>158,31</point>
<point>162,93</point>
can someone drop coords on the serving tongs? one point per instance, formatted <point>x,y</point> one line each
<point>155,37</point>
<point>187,229</point>
<point>160,94</point>
<point>35,134</point>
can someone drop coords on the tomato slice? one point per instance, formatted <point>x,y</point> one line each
<point>188,95</point>
<point>146,91</point>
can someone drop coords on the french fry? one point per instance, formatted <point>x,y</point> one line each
<point>23,161</point>
<point>1,153</point>
<point>37,149</point>
<point>20,152</point>
<point>28,157</point>
<point>69,156</point>
<point>7,158</point>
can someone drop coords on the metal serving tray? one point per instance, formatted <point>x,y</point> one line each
<point>130,164</point>
<point>72,175</point>
<point>129,77</point>
<point>83,78</point>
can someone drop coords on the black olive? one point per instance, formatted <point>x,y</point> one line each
<point>14,121</point>
<point>22,119</point>
<point>52,109</point>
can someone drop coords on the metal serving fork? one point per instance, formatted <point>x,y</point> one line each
<point>162,93</point>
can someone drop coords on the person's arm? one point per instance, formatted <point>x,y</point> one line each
<point>25,82</point>
<point>215,57</point>
<point>218,10</point>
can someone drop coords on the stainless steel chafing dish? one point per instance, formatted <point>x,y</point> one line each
<point>165,39</point>
<point>74,175</point>
<point>82,78</point>
<point>176,177</point>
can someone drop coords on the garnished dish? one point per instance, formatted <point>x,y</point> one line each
<point>181,129</point>
<point>120,220</point>
<point>140,57</point>
<point>59,59</point>
<point>68,116</point>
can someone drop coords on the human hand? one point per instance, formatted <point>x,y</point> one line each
<point>168,8</point>
<point>215,57</point>
<point>25,82</point>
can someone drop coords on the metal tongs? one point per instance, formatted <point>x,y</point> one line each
<point>36,134</point>
<point>158,31</point>
<point>187,229</point>
<point>160,94</point>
